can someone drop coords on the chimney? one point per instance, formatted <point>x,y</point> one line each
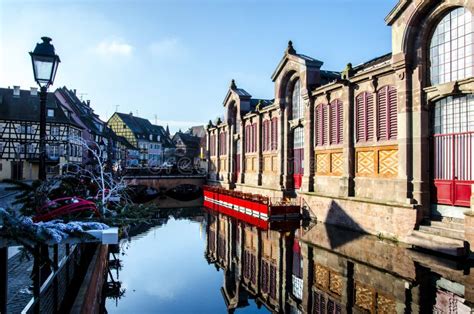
<point>34,91</point>
<point>74,91</point>
<point>88,103</point>
<point>131,113</point>
<point>16,90</point>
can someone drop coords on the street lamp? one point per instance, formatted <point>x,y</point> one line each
<point>45,64</point>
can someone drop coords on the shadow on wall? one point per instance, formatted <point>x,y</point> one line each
<point>337,236</point>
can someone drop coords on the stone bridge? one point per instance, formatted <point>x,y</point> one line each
<point>174,190</point>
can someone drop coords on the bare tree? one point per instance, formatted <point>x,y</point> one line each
<point>110,187</point>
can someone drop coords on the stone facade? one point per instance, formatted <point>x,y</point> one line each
<point>373,171</point>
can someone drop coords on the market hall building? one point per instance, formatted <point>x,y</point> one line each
<point>382,147</point>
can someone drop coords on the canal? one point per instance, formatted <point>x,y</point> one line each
<point>207,262</point>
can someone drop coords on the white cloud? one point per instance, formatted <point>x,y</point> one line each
<point>167,47</point>
<point>114,47</point>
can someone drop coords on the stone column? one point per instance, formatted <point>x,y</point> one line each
<point>285,147</point>
<point>418,145</point>
<point>346,182</point>
<point>409,124</point>
<point>308,163</point>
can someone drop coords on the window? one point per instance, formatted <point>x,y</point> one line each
<point>364,117</point>
<point>50,112</point>
<point>451,47</point>
<point>54,130</point>
<point>251,138</point>
<point>335,121</point>
<point>298,140</point>
<point>274,138</point>
<point>321,124</point>
<point>297,101</point>
<point>387,113</point>
<point>53,151</point>
<point>222,143</point>
<point>266,136</point>
<point>454,115</point>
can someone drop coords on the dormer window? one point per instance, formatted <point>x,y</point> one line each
<point>50,113</point>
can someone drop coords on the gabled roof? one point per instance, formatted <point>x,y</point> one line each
<point>373,62</point>
<point>188,140</point>
<point>142,128</point>
<point>290,54</point>
<point>240,92</point>
<point>26,107</point>
<point>198,131</point>
<point>83,111</point>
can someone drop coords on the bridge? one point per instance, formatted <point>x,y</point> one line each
<point>172,190</point>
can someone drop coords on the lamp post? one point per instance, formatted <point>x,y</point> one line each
<point>45,64</point>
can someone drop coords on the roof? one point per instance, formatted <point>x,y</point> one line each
<point>198,131</point>
<point>26,107</point>
<point>263,103</point>
<point>142,128</point>
<point>84,112</point>
<point>373,62</point>
<point>188,139</point>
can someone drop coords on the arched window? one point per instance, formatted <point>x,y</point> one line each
<point>364,117</point>
<point>387,113</point>
<point>297,101</point>
<point>451,47</point>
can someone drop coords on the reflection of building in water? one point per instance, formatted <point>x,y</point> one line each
<point>328,270</point>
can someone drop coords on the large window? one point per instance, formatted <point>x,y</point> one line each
<point>251,138</point>
<point>451,47</point>
<point>222,143</point>
<point>454,115</point>
<point>297,101</point>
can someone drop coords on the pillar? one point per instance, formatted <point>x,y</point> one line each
<point>308,163</point>
<point>346,183</point>
<point>259,149</point>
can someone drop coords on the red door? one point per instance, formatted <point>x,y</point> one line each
<point>298,157</point>
<point>453,168</point>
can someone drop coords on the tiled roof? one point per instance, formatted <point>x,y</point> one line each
<point>263,103</point>
<point>372,62</point>
<point>83,111</point>
<point>142,128</point>
<point>187,139</point>
<point>26,107</point>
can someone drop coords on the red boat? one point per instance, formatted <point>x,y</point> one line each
<point>253,208</point>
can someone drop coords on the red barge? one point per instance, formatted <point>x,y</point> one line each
<point>250,207</point>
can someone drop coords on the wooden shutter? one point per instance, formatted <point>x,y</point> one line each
<point>324,124</point>
<point>392,113</point>
<point>382,105</point>
<point>369,116</point>
<point>364,117</point>
<point>274,133</point>
<point>335,122</point>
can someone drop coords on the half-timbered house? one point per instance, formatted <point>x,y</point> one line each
<point>19,129</point>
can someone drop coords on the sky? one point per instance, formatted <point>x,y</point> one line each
<point>172,61</point>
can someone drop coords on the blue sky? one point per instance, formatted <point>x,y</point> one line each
<point>175,59</point>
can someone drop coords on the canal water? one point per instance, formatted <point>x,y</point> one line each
<point>208,262</point>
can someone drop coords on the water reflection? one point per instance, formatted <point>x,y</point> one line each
<point>283,267</point>
<point>323,269</point>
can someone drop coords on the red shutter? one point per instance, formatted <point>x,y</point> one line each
<point>274,133</point>
<point>319,125</point>
<point>324,123</point>
<point>364,117</point>
<point>254,137</point>
<point>340,125</point>
<point>360,120</point>
<point>382,113</point>
<point>336,122</point>
<point>370,116</point>
<point>246,138</point>
<point>392,113</point>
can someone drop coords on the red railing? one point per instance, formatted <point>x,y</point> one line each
<point>453,168</point>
